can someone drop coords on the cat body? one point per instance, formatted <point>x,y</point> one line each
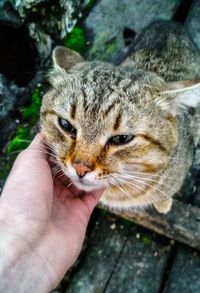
<point>130,128</point>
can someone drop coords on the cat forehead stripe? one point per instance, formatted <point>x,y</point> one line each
<point>110,107</point>
<point>73,111</point>
<point>117,121</point>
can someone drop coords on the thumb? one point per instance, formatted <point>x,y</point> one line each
<point>37,147</point>
<point>92,198</point>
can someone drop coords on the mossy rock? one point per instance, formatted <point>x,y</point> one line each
<point>30,115</point>
<point>75,40</point>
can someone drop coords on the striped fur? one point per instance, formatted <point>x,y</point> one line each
<point>102,100</point>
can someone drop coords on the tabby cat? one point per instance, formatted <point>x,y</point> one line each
<point>130,128</point>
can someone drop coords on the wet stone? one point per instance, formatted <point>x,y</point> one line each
<point>8,100</point>
<point>8,15</point>
<point>107,21</point>
<point>192,22</point>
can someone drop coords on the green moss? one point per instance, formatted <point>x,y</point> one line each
<point>106,51</point>
<point>147,240</point>
<point>75,40</point>
<point>20,141</point>
<point>104,212</point>
<point>126,222</point>
<point>110,48</point>
<point>31,112</point>
<point>90,4</point>
<point>30,115</point>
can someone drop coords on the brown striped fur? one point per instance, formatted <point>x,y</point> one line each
<point>141,98</point>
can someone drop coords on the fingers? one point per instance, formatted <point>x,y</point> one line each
<point>69,190</point>
<point>36,150</point>
<point>38,139</point>
<point>38,145</point>
<point>91,198</point>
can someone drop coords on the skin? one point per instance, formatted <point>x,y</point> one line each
<point>42,224</point>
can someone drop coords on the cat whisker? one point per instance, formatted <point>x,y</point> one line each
<point>68,185</point>
<point>40,150</point>
<point>163,102</point>
<point>123,181</point>
<point>56,173</point>
<point>127,182</point>
<point>108,188</point>
<point>63,178</point>
<point>151,198</point>
<point>155,188</point>
<point>47,153</point>
<point>45,145</point>
<point>127,176</point>
<point>130,176</point>
<point>117,184</point>
<point>139,173</point>
<point>29,141</point>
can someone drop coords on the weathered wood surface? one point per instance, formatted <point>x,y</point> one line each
<point>184,276</point>
<point>182,223</point>
<point>97,264</point>
<point>142,261</point>
<point>184,273</point>
<point>120,258</point>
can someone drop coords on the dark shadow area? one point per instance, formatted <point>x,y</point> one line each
<point>128,35</point>
<point>182,11</point>
<point>17,54</point>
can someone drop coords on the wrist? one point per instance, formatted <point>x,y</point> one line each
<point>21,269</point>
<point>27,274</point>
<point>8,250</point>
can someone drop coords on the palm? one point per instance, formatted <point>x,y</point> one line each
<point>45,213</point>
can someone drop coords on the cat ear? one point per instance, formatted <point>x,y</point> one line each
<point>181,94</point>
<point>65,58</point>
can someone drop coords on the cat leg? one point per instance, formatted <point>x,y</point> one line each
<point>163,207</point>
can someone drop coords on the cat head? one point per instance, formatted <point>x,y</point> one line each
<point>105,122</point>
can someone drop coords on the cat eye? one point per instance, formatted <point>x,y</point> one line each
<point>67,127</point>
<point>120,139</point>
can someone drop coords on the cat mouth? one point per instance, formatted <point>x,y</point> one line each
<point>82,184</point>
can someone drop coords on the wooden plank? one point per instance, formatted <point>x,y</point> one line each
<point>182,223</point>
<point>185,270</point>
<point>141,266</point>
<point>184,276</point>
<point>119,251</point>
<point>100,257</point>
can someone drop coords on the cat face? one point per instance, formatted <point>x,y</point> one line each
<point>104,124</point>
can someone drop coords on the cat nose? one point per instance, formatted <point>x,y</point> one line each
<point>81,168</point>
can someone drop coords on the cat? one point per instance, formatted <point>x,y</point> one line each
<point>130,128</point>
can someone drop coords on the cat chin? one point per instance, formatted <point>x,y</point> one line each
<point>87,187</point>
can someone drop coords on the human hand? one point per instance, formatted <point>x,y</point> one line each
<point>42,224</point>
